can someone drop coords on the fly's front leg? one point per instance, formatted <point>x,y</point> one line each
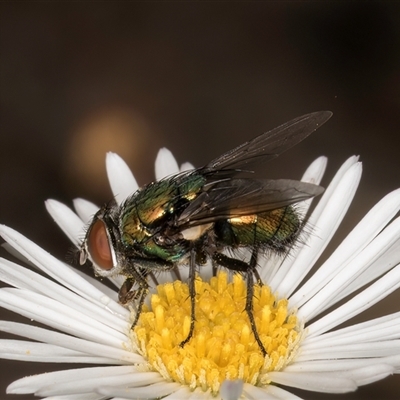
<point>128,294</point>
<point>192,292</point>
<point>135,276</point>
<point>142,293</point>
<point>250,270</point>
<point>135,288</point>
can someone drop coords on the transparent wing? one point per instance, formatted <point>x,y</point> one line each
<point>270,144</point>
<point>237,197</point>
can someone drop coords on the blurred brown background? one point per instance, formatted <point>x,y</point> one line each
<point>79,79</point>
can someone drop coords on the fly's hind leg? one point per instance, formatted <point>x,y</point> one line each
<point>192,292</point>
<point>250,270</point>
<point>249,298</point>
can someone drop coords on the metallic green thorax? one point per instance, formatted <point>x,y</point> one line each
<point>148,214</point>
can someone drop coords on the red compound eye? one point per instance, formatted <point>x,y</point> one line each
<point>99,246</point>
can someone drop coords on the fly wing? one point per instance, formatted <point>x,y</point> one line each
<point>270,144</point>
<point>237,197</point>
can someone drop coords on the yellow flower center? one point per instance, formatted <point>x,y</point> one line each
<point>223,344</point>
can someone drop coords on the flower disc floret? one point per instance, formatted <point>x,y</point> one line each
<point>223,344</point>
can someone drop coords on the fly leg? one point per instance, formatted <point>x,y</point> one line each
<point>138,296</point>
<point>177,273</point>
<point>249,297</point>
<point>250,270</point>
<point>136,287</point>
<point>153,277</point>
<point>257,275</point>
<point>129,293</point>
<point>192,292</point>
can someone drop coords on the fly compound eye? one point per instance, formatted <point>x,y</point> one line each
<point>99,246</point>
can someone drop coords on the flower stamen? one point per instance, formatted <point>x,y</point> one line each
<point>223,345</point>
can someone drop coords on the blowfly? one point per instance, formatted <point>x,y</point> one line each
<point>195,216</point>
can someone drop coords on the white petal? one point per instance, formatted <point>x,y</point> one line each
<point>332,365</point>
<point>117,280</point>
<point>367,298</point>
<point>15,275</point>
<point>187,166</point>
<point>357,240</point>
<point>67,220</point>
<point>84,384</point>
<point>351,351</point>
<point>182,393</point>
<point>70,342</point>
<point>85,209</point>
<point>285,265</point>
<point>347,280</point>
<point>165,164</point>
<point>121,179</point>
<point>315,171</point>
<point>313,174</point>
<point>97,283</point>
<point>59,271</point>
<point>56,315</point>
<point>281,393</point>
<point>318,382</point>
<point>31,384</point>
<point>335,204</point>
<point>87,396</point>
<point>22,350</point>
<point>343,170</point>
<point>271,392</point>
<point>198,394</point>
<point>146,392</point>
<point>271,263</point>
<point>376,268</point>
<point>369,374</point>
<point>10,250</point>
<point>382,328</point>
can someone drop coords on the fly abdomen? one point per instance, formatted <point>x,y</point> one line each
<point>275,229</point>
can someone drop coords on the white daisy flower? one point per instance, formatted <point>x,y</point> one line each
<point>305,347</point>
